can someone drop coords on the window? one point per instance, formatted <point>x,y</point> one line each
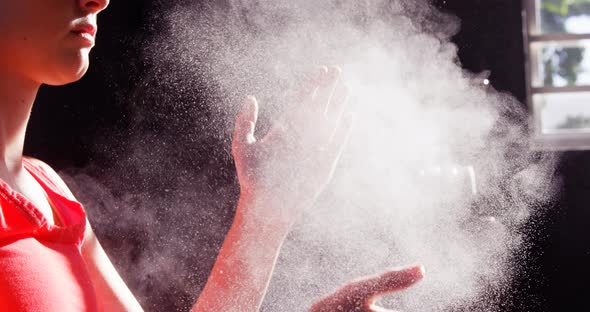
<point>557,45</point>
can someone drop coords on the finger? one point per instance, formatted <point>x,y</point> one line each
<point>250,109</point>
<point>307,86</point>
<point>340,139</point>
<point>308,89</point>
<point>246,124</point>
<point>303,97</point>
<point>326,89</point>
<point>312,83</point>
<point>390,282</point>
<point>338,103</point>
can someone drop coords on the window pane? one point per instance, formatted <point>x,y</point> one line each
<point>563,112</point>
<point>564,16</point>
<point>560,64</point>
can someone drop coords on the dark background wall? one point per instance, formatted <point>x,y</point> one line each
<point>73,128</point>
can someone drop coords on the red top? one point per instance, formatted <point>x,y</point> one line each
<point>41,266</point>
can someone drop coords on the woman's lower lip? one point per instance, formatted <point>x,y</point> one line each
<point>85,38</point>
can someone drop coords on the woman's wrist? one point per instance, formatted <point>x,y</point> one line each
<point>264,212</point>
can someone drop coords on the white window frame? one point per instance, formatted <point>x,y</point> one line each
<point>554,141</point>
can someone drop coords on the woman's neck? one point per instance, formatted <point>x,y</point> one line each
<point>17,96</point>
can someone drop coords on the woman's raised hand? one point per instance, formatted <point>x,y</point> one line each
<point>294,161</point>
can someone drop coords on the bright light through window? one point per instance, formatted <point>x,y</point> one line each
<point>558,71</point>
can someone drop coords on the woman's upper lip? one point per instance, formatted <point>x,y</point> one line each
<point>85,28</point>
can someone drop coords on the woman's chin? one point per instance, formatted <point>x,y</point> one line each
<point>72,73</point>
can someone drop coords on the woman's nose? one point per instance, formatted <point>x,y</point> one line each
<point>93,6</point>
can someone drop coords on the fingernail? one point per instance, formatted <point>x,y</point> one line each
<point>417,271</point>
<point>422,270</point>
<point>250,102</point>
<point>250,99</point>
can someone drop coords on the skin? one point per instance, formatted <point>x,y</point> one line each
<point>361,295</point>
<point>38,47</point>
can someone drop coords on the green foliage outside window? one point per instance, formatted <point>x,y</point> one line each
<point>565,62</point>
<point>554,13</point>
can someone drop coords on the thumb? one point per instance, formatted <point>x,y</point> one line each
<point>246,123</point>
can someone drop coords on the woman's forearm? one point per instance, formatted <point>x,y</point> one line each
<point>244,266</point>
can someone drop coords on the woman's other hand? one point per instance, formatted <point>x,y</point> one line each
<point>360,296</point>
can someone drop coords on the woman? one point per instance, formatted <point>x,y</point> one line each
<point>50,259</point>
